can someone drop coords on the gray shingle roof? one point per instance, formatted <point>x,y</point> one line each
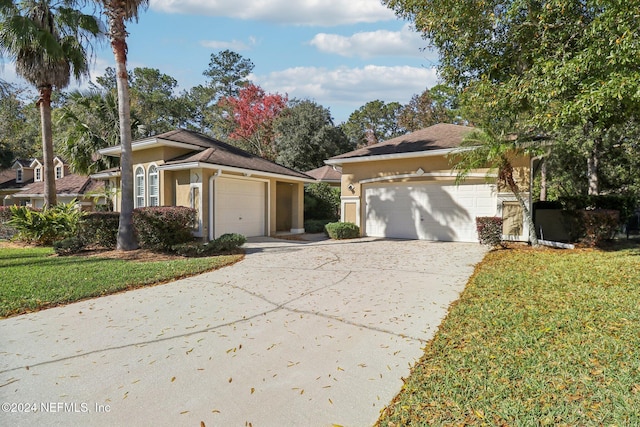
<point>325,173</point>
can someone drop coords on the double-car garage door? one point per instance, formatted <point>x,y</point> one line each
<point>428,211</point>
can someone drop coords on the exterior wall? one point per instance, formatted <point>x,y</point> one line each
<point>181,184</point>
<point>284,200</point>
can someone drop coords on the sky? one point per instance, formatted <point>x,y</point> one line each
<point>338,53</point>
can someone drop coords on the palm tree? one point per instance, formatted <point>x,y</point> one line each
<point>488,149</point>
<point>47,41</point>
<point>119,11</point>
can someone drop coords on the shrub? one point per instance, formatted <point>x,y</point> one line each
<point>100,229</point>
<point>600,225</point>
<point>342,230</point>
<point>68,246</point>
<point>489,230</point>
<point>46,226</point>
<point>224,243</point>
<point>6,231</point>
<point>321,201</point>
<point>160,228</point>
<point>316,225</point>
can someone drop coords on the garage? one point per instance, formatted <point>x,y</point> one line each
<point>427,211</point>
<point>240,207</point>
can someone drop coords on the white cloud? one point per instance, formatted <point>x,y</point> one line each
<point>234,45</point>
<point>345,90</point>
<point>297,12</point>
<point>406,42</point>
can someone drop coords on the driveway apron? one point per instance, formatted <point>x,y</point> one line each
<point>296,334</point>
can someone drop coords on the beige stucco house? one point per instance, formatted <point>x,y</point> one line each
<point>232,190</point>
<point>405,188</point>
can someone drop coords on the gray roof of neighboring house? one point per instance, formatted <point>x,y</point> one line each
<point>219,153</point>
<point>325,173</point>
<point>437,137</point>
<point>8,180</point>
<point>68,184</point>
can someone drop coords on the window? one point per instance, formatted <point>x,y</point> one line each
<point>18,175</point>
<point>139,187</point>
<point>38,174</point>
<point>154,189</point>
<point>58,172</point>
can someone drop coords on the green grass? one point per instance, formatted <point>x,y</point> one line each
<point>544,337</point>
<point>31,279</point>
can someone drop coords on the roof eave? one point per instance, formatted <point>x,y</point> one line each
<point>396,156</point>
<point>247,172</point>
<point>116,150</point>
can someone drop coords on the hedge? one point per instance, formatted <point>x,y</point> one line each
<point>161,227</point>
<point>489,230</point>
<point>342,230</point>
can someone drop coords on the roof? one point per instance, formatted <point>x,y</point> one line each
<point>72,184</point>
<point>325,173</point>
<point>220,153</point>
<point>8,180</point>
<point>442,136</point>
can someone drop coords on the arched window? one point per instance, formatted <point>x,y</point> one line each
<point>154,188</point>
<point>139,187</point>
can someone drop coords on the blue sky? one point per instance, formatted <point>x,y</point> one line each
<point>339,53</point>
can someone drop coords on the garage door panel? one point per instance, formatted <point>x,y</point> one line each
<point>427,211</point>
<point>240,207</point>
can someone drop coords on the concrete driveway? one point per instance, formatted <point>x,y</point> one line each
<point>297,334</point>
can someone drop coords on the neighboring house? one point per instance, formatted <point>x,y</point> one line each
<point>69,186</point>
<point>329,174</point>
<point>232,191</point>
<point>405,188</point>
<point>15,179</point>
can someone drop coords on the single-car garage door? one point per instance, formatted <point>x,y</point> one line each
<point>239,207</point>
<point>428,211</point>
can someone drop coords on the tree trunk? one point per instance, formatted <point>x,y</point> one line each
<point>126,238</point>
<point>506,174</point>
<point>44,104</point>
<point>543,180</point>
<point>592,168</point>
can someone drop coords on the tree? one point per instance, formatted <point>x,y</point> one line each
<point>19,127</point>
<point>306,136</point>
<point>228,72</point>
<point>559,64</point>
<point>254,112</point>
<point>47,41</point>
<point>154,102</point>
<point>373,122</point>
<point>87,122</point>
<point>433,106</point>
<point>495,151</point>
<point>119,11</point>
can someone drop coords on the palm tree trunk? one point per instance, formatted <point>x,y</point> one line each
<point>44,104</point>
<point>126,237</point>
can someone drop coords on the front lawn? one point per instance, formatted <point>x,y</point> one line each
<point>539,337</point>
<point>31,278</point>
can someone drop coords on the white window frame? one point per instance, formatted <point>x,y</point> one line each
<point>153,196</point>
<point>19,175</point>
<point>139,199</point>
<point>58,172</point>
<point>38,174</point>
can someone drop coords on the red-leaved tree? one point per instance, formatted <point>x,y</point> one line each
<point>253,113</point>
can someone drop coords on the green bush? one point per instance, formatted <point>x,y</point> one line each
<point>6,231</point>
<point>160,228</point>
<point>342,230</point>
<point>46,226</point>
<point>224,243</point>
<point>489,230</point>
<point>100,229</point>
<point>625,204</point>
<point>600,225</point>
<point>68,246</point>
<point>316,225</point>
<point>321,201</point>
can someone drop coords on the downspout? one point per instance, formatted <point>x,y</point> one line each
<point>212,178</point>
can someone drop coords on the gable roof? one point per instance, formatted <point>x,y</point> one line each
<point>325,173</point>
<point>72,185</point>
<point>440,138</point>
<point>209,151</point>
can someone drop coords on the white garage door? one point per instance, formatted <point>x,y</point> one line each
<point>428,211</point>
<point>239,207</point>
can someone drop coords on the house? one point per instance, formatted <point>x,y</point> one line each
<point>29,185</point>
<point>15,179</point>
<point>232,190</point>
<point>405,188</point>
<point>329,174</point>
